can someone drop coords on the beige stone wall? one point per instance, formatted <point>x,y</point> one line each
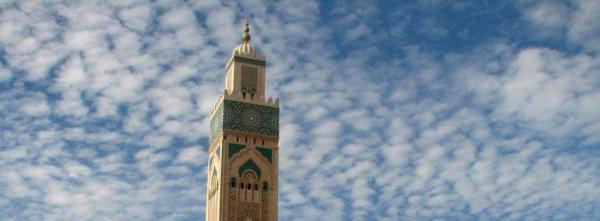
<point>265,207</point>
<point>233,79</point>
<point>227,202</point>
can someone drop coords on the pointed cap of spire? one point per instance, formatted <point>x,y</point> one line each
<point>246,36</point>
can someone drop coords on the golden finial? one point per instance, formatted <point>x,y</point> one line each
<point>246,36</point>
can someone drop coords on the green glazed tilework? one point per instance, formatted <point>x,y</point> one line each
<point>266,152</point>
<point>250,165</point>
<point>250,118</point>
<point>245,117</point>
<point>234,148</point>
<point>216,123</point>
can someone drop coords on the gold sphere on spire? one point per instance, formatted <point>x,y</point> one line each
<point>246,36</point>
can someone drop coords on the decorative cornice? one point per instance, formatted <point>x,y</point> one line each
<point>249,60</point>
<point>259,60</point>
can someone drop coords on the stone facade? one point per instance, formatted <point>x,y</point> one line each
<point>243,151</point>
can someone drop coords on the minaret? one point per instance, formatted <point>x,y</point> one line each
<point>243,147</point>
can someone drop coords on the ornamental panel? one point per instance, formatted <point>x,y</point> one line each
<point>233,204</point>
<point>249,210</point>
<point>245,117</point>
<point>250,118</point>
<point>249,79</point>
<point>250,165</point>
<point>265,206</point>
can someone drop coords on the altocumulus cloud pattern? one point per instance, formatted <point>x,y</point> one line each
<point>433,110</point>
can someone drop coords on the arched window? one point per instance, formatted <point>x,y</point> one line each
<point>265,186</point>
<point>233,182</point>
<point>249,183</point>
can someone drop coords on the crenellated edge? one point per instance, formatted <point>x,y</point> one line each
<point>258,100</point>
<point>270,102</point>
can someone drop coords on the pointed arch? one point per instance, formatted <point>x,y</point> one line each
<point>250,165</point>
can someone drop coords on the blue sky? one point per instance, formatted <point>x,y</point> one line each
<point>420,110</point>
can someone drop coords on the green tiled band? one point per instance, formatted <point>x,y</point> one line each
<point>245,117</point>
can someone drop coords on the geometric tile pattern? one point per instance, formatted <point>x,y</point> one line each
<point>252,118</point>
<point>245,117</point>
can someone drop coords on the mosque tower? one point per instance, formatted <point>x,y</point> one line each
<point>243,146</point>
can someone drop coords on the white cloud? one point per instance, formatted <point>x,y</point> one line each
<point>585,27</point>
<point>81,39</point>
<point>136,17</point>
<point>58,197</point>
<point>578,20</point>
<point>36,105</point>
<point>221,22</point>
<point>545,88</point>
<point>5,74</point>
<point>71,104</point>
<point>72,74</point>
<point>194,155</point>
<point>327,128</point>
<point>548,15</point>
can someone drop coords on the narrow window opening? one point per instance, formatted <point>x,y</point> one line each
<point>233,182</point>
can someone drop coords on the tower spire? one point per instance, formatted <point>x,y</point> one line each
<point>246,36</point>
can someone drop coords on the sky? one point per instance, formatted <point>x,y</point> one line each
<point>390,110</point>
